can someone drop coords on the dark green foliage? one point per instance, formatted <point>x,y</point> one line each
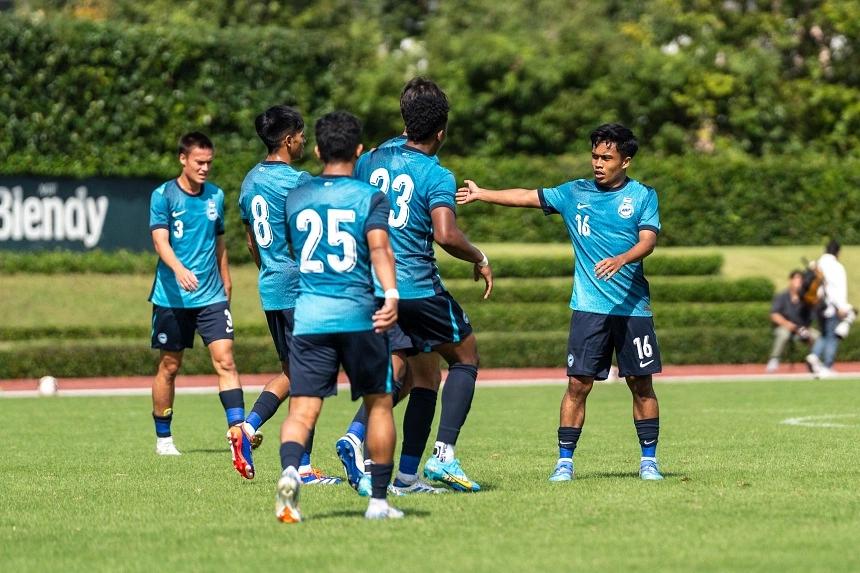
<point>542,267</point>
<point>663,289</point>
<point>111,99</point>
<point>64,262</point>
<point>681,345</point>
<point>124,262</point>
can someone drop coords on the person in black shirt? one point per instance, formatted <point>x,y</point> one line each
<point>791,318</point>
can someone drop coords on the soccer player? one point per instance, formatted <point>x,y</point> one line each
<point>261,204</point>
<point>192,285</point>
<point>416,375</point>
<point>613,223</point>
<point>338,228</point>
<point>422,210</point>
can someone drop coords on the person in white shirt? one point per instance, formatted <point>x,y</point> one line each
<point>836,309</point>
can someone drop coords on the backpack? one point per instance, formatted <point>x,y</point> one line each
<point>810,288</point>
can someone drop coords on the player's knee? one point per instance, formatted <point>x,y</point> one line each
<point>169,368</point>
<point>577,387</point>
<point>642,388</point>
<point>224,363</point>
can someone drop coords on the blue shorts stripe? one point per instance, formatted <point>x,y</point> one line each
<point>455,336</point>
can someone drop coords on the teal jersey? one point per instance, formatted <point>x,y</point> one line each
<point>262,205</point>
<point>604,223</point>
<point>193,223</point>
<point>393,142</point>
<point>328,221</point>
<point>415,184</point>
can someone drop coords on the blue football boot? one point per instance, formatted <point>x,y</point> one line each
<point>449,473</point>
<point>648,470</point>
<point>563,471</point>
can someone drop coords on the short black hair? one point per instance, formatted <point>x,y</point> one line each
<point>795,273</point>
<point>424,107</point>
<point>193,139</point>
<point>615,133</point>
<point>276,123</point>
<point>832,247</point>
<point>338,134</point>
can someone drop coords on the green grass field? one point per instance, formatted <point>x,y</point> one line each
<point>120,300</point>
<point>83,490</point>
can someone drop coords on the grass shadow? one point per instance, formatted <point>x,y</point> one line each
<point>352,514</point>
<point>629,475</point>
<point>206,451</point>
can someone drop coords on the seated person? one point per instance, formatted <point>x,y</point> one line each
<point>791,318</point>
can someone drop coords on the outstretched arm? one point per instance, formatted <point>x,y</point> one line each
<point>606,268</point>
<point>507,197</point>
<point>448,235</point>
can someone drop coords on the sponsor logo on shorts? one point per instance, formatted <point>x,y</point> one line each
<point>570,359</point>
<point>162,337</point>
<point>625,210</point>
<point>644,364</point>
<point>465,318</point>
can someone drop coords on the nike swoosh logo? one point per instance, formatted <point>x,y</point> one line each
<point>229,330</point>
<point>451,478</point>
<point>178,213</point>
<point>565,443</point>
<point>644,364</point>
<point>583,205</point>
<point>647,443</point>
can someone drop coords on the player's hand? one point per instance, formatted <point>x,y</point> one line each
<point>607,268</point>
<point>385,317</point>
<point>187,279</point>
<point>487,274</point>
<point>468,194</point>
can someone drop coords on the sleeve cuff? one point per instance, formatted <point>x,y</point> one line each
<point>650,228</point>
<point>547,208</point>
<point>446,205</point>
<point>220,232</point>
<point>246,221</point>
<point>159,226</point>
<point>373,226</point>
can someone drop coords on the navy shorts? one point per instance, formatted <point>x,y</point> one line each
<point>281,324</point>
<point>399,341</point>
<point>173,328</point>
<point>316,358</point>
<point>593,338</point>
<point>432,321</point>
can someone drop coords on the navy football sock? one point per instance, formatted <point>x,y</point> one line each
<point>380,477</point>
<point>162,424</point>
<point>456,401</point>
<point>291,453</point>
<point>264,408</point>
<point>417,420</point>
<point>568,436</point>
<point>648,431</point>
<point>234,405</point>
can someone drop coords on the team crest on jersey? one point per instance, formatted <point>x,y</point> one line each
<point>625,210</point>
<point>211,210</point>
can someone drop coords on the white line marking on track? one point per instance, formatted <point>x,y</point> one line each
<point>821,421</point>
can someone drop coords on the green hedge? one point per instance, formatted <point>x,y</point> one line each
<point>541,267</point>
<point>124,262</point>
<point>100,99</point>
<point>663,290</point>
<point>485,317</point>
<point>693,345</point>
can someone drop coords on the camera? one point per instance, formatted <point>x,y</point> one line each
<point>841,330</point>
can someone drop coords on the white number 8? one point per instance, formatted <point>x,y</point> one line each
<point>262,228</point>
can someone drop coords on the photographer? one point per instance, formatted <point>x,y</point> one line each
<point>791,318</point>
<point>836,316</point>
